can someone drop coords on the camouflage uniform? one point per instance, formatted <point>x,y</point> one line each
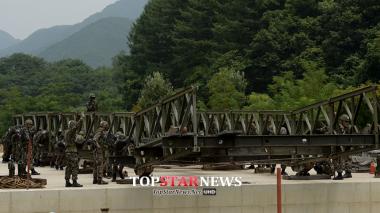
<point>119,148</point>
<point>30,132</point>
<point>99,153</point>
<point>21,149</point>
<point>91,105</point>
<point>7,144</point>
<point>38,143</point>
<point>343,164</point>
<point>11,137</point>
<point>59,149</point>
<point>15,139</point>
<point>71,152</point>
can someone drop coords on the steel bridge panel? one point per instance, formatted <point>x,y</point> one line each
<point>307,140</point>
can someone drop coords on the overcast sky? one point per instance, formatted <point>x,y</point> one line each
<point>20,18</point>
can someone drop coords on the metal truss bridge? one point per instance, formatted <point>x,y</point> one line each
<point>174,132</point>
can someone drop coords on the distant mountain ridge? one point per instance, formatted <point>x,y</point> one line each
<point>95,44</point>
<point>45,40</point>
<point>6,40</point>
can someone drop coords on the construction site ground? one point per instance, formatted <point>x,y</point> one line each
<point>258,194</point>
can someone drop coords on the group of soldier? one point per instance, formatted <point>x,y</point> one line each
<point>20,140</point>
<point>342,165</point>
<point>23,146</point>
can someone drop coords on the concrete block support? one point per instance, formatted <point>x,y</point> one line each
<point>334,197</point>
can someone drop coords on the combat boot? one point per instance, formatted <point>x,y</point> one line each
<point>347,174</point>
<point>94,181</point>
<point>76,184</point>
<point>21,171</point>
<point>113,177</point>
<point>68,184</point>
<point>34,172</point>
<point>121,174</point>
<point>339,176</point>
<point>102,182</point>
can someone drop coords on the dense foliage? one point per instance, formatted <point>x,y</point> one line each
<point>189,41</point>
<point>30,84</point>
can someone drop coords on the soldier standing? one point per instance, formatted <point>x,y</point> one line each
<point>118,149</point>
<point>100,141</point>
<point>7,145</point>
<point>59,148</point>
<point>72,156</point>
<point>28,132</point>
<point>39,142</point>
<point>91,105</point>
<point>13,136</point>
<point>343,164</point>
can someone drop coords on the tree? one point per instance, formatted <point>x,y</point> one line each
<point>257,101</point>
<point>156,87</point>
<point>150,39</point>
<point>371,67</point>
<point>192,40</point>
<point>290,93</point>
<point>226,89</point>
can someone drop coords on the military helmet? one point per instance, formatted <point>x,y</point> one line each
<point>28,122</point>
<point>120,135</point>
<point>79,139</point>
<point>72,124</point>
<point>344,117</point>
<point>104,124</point>
<point>92,95</point>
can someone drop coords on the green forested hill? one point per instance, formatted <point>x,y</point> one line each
<point>95,44</point>
<point>264,38</point>
<point>28,83</point>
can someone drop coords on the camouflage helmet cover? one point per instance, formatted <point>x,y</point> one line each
<point>344,117</point>
<point>104,124</point>
<point>28,122</point>
<point>92,95</point>
<point>72,124</point>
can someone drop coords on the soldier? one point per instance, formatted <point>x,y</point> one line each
<point>7,145</point>
<point>40,139</point>
<point>91,105</point>
<point>118,149</point>
<point>283,131</point>
<point>59,149</point>
<point>343,164</point>
<point>100,141</point>
<point>344,124</point>
<point>71,153</point>
<point>13,136</point>
<point>28,132</point>
<point>367,129</point>
<point>345,128</point>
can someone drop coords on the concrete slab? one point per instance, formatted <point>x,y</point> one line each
<point>359,194</point>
